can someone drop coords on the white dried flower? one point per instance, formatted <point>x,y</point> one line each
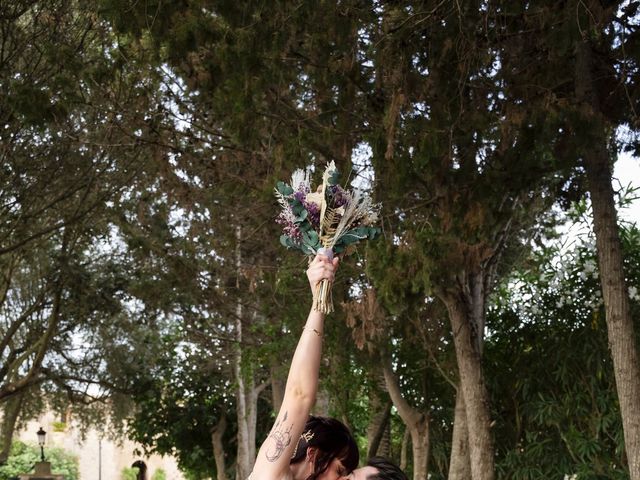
<point>301,180</point>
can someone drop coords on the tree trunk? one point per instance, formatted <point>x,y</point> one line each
<point>459,466</point>
<point>417,423</point>
<point>384,449</point>
<point>278,382</point>
<point>247,415</point>
<point>12,407</point>
<point>321,407</point>
<point>472,385</point>
<point>244,459</point>
<point>380,414</point>
<point>406,437</point>
<point>622,339</point>
<point>218,448</point>
<point>245,412</point>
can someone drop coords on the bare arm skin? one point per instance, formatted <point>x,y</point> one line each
<point>273,458</point>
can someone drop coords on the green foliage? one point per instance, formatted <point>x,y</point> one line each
<point>24,456</point>
<point>159,474</point>
<point>129,473</point>
<point>59,426</point>
<point>63,168</point>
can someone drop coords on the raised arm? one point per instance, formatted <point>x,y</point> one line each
<point>273,458</point>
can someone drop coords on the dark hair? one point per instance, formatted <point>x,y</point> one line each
<point>386,470</point>
<point>332,439</point>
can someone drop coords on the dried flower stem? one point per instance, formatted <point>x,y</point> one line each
<point>323,299</point>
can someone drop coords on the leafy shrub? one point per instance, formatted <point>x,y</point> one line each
<point>159,474</point>
<point>59,426</point>
<point>130,473</point>
<point>24,456</point>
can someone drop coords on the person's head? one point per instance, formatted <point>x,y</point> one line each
<point>378,468</point>
<point>328,446</point>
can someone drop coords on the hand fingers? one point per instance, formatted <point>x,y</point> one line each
<point>321,259</point>
<point>321,268</point>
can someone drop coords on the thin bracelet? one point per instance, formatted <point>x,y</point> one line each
<point>313,330</point>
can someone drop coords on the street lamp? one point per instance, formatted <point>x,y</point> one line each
<point>41,436</point>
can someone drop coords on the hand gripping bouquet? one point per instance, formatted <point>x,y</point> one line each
<point>327,220</point>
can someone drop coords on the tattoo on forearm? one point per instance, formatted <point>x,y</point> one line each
<point>281,438</point>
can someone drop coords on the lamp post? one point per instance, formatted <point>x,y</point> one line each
<point>41,436</point>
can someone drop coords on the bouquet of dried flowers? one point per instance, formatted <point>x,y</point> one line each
<point>329,220</point>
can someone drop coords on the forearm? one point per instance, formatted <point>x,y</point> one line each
<point>302,382</point>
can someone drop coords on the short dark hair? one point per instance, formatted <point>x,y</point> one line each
<point>332,439</point>
<point>386,470</point>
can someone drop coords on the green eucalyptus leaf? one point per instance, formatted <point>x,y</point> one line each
<point>284,189</point>
<point>286,241</point>
<point>334,178</point>
<point>310,237</point>
<point>302,216</point>
<point>354,236</point>
<point>305,226</point>
<point>307,249</point>
<point>297,208</point>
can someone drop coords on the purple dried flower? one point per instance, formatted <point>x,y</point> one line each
<point>289,228</point>
<point>339,196</point>
<point>293,232</point>
<point>314,213</point>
